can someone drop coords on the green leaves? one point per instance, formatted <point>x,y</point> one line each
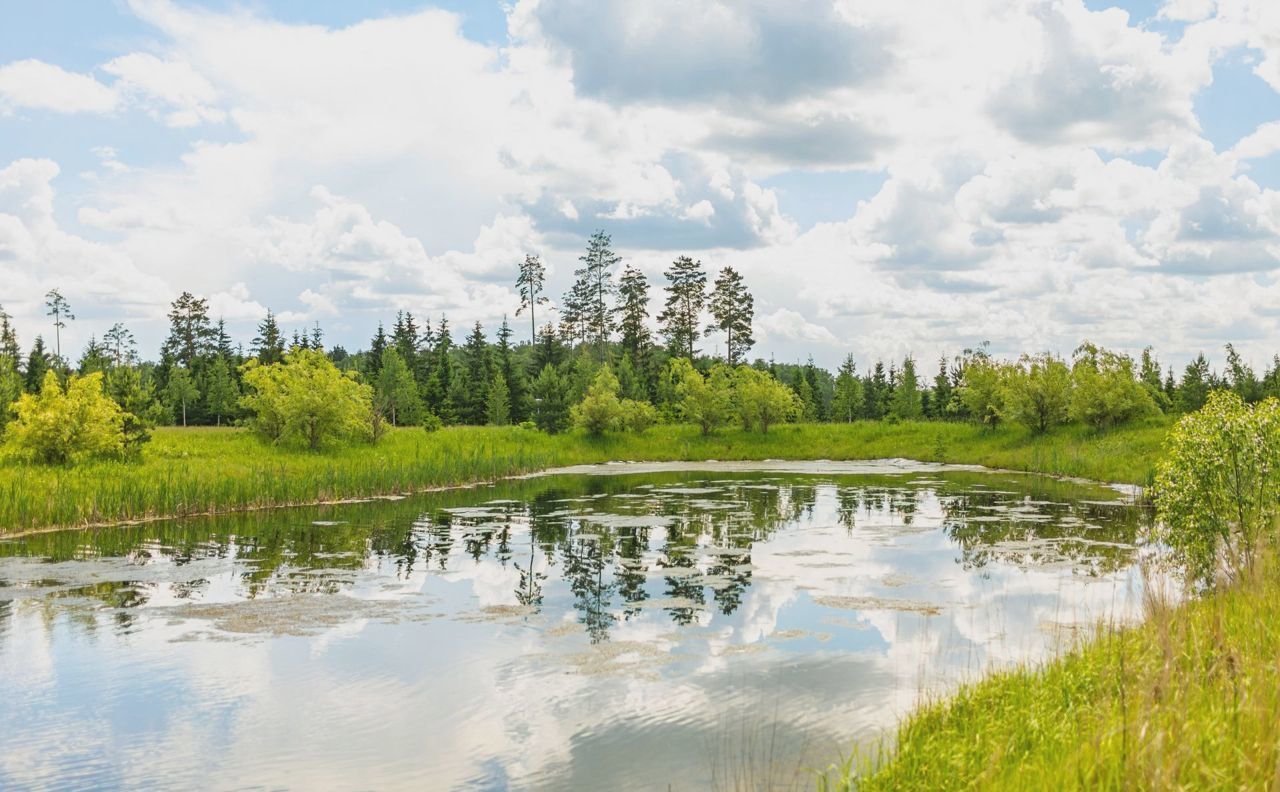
<point>306,400</point>
<point>66,426</point>
<point>1217,490</point>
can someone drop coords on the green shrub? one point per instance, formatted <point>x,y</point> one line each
<point>1105,391</point>
<point>1036,392</point>
<point>761,401</point>
<point>703,401</point>
<point>1217,489</point>
<point>306,400</point>
<point>65,426</point>
<point>637,416</point>
<point>600,410</point>
<point>431,422</point>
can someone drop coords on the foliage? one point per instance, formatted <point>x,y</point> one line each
<point>306,400</point>
<point>686,295</point>
<point>395,392</point>
<point>703,401</point>
<point>551,402</point>
<point>1218,486</point>
<point>600,410</point>
<point>1186,700</point>
<point>637,416</point>
<point>1104,390</point>
<point>846,403</point>
<point>733,308</point>
<point>10,387</point>
<point>190,471</point>
<point>761,400</point>
<point>499,402</point>
<point>982,390</point>
<point>529,284</point>
<point>181,391</point>
<point>1036,392</point>
<point>65,426</point>
<point>220,391</point>
<point>906,402</point>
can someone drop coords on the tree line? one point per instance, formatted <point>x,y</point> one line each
<point>418,374</point>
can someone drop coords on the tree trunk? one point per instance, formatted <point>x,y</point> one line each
<point>184,415</point>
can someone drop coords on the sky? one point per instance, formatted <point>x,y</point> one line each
<point>891,178</point>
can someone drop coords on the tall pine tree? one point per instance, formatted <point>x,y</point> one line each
<point>686,296</point>
<point>733,308</point>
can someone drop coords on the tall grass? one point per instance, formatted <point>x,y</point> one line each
<point>1190,699</point>
<point>197,470</point>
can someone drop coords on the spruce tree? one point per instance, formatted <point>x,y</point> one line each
<point>9,339</point>
<point>395,392</point>
<point>1193,390</point>
<point>440,389</point>
<point>551,405</point>
<point>512,375</point>
<point>906,402</point>
<point>268,345</point>
<point>733,309</point>
<point>498,404</point>
<point>847,401</point>
<point>686,296</point>
<point>942,390</point>
<point>479,373</point>
<point>373,360</point>
<point>191,335</point>
<point>38,363</point>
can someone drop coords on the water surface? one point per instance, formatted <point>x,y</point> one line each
<point>641,630</point>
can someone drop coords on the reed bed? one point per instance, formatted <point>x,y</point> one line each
<point>199,470</point>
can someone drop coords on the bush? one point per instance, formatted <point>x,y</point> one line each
<point>637,416</point>
<point>431,422</point>
<point>1217,490</point>
<point>60,426</point>
<point>1036,392</point>
<point>704,401</point>
<point>307,400</point>
<point>982,391</point>
<point>761,400</point>
<point>600,410</point>
<point>1104,389</point>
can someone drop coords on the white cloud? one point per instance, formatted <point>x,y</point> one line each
<point>44,86</point>
<point>172,84</point>
<point>792,326</point>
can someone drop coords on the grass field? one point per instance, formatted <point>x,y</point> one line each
<point>1188,700</point>
<point>196,470</point>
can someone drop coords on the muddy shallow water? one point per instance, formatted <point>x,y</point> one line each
<point>622,627</point>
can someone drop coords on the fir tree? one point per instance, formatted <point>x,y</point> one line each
<point>498,404</point>
<point>373,360</point>
<point>1193,390</point>
<point>551,405</point>
<point>268,345</point>
<point>479,373</point>
<point>847,401</point>
<point>733,309</point>
<point>906,401</point>
<point>942,390</point>
<point>38,363</point>
<point>512,375</point>
<point>686,296</point>
<point>9,339</point>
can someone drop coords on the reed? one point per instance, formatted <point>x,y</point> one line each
<point>198,470</point>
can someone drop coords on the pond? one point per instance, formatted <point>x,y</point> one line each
<point>621,627</point>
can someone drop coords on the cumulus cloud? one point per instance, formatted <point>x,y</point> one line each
<point>44,86</point>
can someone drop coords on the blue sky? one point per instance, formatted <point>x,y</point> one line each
<point>903,181</point>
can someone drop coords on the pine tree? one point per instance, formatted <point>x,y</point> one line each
<point>440,387</point>
<point>120,345</point>
<point>191,335</point>
<point>847,402</point>
<point>733,308</point>
<point>57,306</point>
<point>529,283</point>
<point>633,312</point>
<point>220,392</point>
<point>594,287</point>
<point>549,351</point>
<point>686,296</point>
<point>268,346</point>
<point>94,358</point>
<point>498,404</point>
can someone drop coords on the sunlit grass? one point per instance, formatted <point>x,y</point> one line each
<point>1188,700</point>
<point>190,471</point>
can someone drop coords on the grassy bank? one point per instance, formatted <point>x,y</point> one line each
<point>189,471</point>
<point>1188,700</point>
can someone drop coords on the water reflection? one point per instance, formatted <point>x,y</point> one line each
<point>569,632</point>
